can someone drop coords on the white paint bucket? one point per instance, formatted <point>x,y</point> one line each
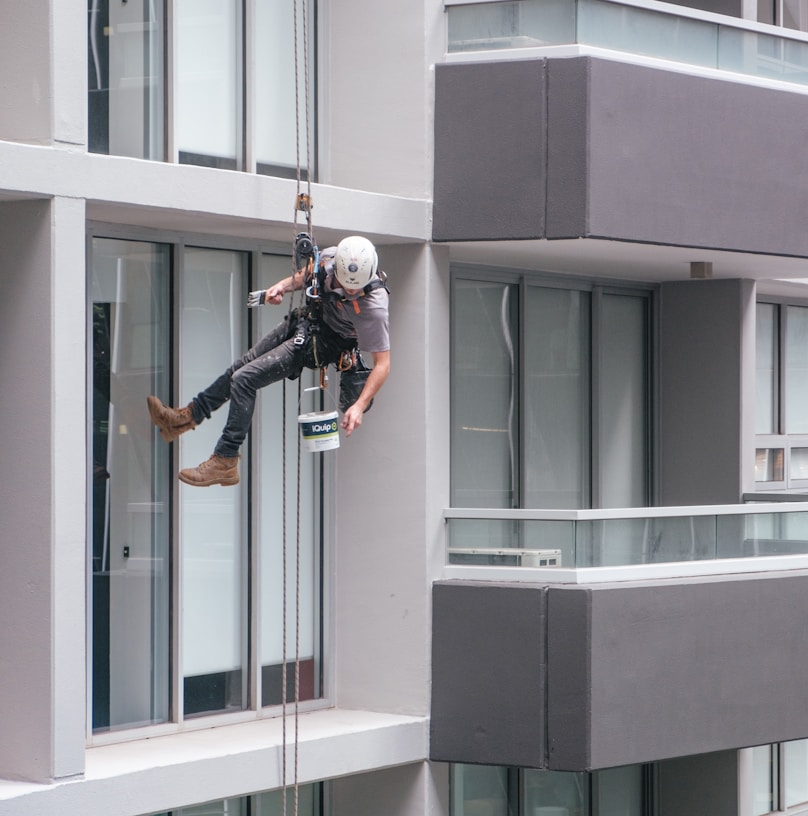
<point>319,430</point>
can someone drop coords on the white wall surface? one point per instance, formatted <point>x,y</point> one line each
<point>172,771</point>
<point>412,789</point>
<point>43,85</point>
<point>376,94</point>
<point>42,494</point>
<point>392,484</point>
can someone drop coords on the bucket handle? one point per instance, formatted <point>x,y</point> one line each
<point>318,388</point>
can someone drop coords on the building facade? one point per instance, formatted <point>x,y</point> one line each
<point>561,568</point>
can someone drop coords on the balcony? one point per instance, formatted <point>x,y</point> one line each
<point>647,29</point>
<point>582,546</point>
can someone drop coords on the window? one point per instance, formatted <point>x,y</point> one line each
<point>481,790</point>
<point>550,395</point>
<point>781,406</point>
<point>780,778</point>
<point>126,80</point>
<point>270,803</point>
<point>213,521</point>
<point>177,571</point>
<point>131,521</point>
<point>209,82</point>
<point>786,13</point>
<point>188,81</point>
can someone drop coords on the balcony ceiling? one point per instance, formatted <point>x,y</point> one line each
<point>642,263</point>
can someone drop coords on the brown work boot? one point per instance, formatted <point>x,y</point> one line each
<point>172,422</point>
<point>221,470</point>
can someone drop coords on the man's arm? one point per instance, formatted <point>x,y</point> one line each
<point>276,292</point>
<point>381,369</point>
<point>294,282</point>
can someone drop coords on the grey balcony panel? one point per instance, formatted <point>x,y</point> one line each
<point>634,672</point>
<point>488,664</point>
<point>489,154</point>
<point>686,667</point>
<point>582,147</point>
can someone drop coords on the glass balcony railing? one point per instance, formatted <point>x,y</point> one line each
<point>649,29</point>
<point>610,538</point>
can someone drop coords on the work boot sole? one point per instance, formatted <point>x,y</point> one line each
<point>168,433</point>
<point>225,482</point>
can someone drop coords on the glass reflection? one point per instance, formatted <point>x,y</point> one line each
<point>130,519</point>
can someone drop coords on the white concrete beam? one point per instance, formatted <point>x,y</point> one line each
<point>163,773</point>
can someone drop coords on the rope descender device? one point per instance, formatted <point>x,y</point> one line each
<point>303,203</point>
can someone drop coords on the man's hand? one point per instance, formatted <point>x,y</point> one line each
<point>257,298</point>
<point>352,418</point>
<point>273,295</point>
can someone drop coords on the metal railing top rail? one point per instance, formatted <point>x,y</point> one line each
<point>675,10</point>
<point>604,514</point>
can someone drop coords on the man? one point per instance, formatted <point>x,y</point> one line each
<point>347,311</point>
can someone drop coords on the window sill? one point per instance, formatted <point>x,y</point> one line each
<point>176,770</point>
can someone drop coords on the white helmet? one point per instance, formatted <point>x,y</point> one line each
<point>356,262</point>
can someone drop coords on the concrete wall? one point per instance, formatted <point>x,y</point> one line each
<point>43,84</point>
<point>634,672</point>
<point>376,86</point>
<point>706,391</point>
<point>392,484</point>
<point>632,153</point>
<point>411,789</point>
<point>42,496</point>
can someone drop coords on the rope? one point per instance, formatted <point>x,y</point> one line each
<point>283,616</point>
<point>302,204</point>
<point>297,619</point>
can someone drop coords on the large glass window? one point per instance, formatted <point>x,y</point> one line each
<point>130,554</point>
<point>781,406</point>
<point>270,803</point>
<point>549,396</point>
<point>767,353</point>
<point>555,439</point>
<point>485,404</point>
<point>126,78</point>
<point>297,478</point>
<point>483,790</point>
<point>187,595</point>
<point>188,81</point>
<point>281,112</point>
<point>213,333</point>
<point>780,778</point>
<point>209,82</point>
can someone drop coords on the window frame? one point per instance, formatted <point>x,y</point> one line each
<point>516,787</point>
<point>596,288</point>
<point>246,82</point>
<point>779,781</point>
<point>324,541</point>
<point>781,440</point>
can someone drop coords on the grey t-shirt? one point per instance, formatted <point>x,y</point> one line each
<point>365,317</point>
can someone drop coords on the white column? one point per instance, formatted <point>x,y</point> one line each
<point>68,70</point>
<point>69,488</point>
<point>42,494</point>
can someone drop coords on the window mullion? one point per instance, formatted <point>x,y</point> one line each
<point>780,377</point>
<point>521,392</point>
<point>177,689</point>
<point>172,153</point>
<point>596,497</point>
